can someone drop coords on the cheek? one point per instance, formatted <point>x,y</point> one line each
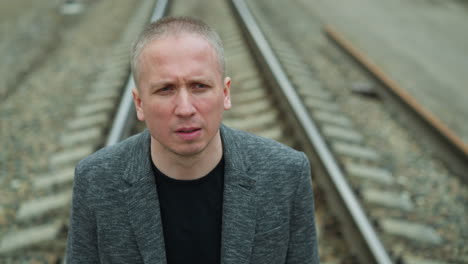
<point>212,106</point>
<point>155,111</point>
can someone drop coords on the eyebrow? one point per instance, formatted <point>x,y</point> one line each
<point>201,80</point>
<point>196,79</point>
<point>159,84</point>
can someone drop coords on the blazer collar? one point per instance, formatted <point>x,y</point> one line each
<point>238,227</point>
<point>142,202</point>
<point>239,207</point>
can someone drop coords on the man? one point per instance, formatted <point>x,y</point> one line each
<point>188,189</point>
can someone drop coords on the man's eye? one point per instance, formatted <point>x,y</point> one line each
<point>200,86</point>
<point>165,89</point>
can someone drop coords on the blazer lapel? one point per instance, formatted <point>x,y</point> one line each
<point>143,204</point>
<point>238,229</point>
<point>239,208</point>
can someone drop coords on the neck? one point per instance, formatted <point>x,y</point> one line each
<point>189,167</point>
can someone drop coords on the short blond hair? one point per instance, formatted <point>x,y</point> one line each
<point>173,26</point>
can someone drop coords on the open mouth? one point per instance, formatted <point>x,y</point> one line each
<point>187,130</point>
<point>189,133</point>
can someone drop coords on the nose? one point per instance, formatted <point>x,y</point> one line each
<point>183,104</point>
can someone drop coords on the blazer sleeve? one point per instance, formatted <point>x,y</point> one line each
<point>82,237</point>
<point>302,246</point>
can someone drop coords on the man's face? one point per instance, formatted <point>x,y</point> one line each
<point>181,94</point>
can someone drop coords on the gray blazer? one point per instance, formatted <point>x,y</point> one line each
<point>268,211</point>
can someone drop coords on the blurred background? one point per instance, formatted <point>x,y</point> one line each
<point>378,67</point>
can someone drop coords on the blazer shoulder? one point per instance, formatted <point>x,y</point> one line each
<point>109,159</point>
<point>263,150</point>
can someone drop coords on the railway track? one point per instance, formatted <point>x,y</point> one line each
<point>445,143</point>
<point>278,96</point>
<point>296,99</point>
<point>24,46</point>
<point>402,187</point>
<point>36,231</point>
<point>255,109</point>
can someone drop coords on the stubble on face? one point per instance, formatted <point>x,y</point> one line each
<point>176,60</point>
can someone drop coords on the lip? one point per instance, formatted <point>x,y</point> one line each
<point>188,133</point>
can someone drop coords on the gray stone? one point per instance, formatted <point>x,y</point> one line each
<point>39,207</point>
<point>346,134</point>
<point>118,60</point>
<point>417,260</point>
<point>250,84</point>
<point>297,70</point>
<point>33,236</point>
<point>238,60</point>
<point>356,151</point>
<point>313,91</point>
<point>280,44</point>
<point>252,108</point>
<point>274,133</point>
<point>264,119</point>
<point>365,88</point>
<point>413,231</point>
<point>308,82</point>
<point>89,135</point>
<point>234,42</point>
<point>243,76</point>
<point>293,62</point>
<point>321,104</point>
<point>248,96</point>
<point>288,55</point>
<point>371,173</point>
<point>233,37</point>
<point>71,8</point>
<point>332,118</point>
<point>70,156</point>
<point>88,121</point>
<point>95,107</point>
<point>388,199</point>
<point>54,178</point>
<point>236,50</point>
<point>109,79</point>
<point>103,94</point>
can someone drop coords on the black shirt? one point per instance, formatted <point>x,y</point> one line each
<point>191,213</point>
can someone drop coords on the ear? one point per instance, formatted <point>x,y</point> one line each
<point>138,104</point>
<point>227,93</point>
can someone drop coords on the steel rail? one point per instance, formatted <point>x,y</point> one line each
<point>125,117</point>
<point>449,147</point>
<point>369,249</point>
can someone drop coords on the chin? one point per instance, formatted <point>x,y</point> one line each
<point>189,150</point>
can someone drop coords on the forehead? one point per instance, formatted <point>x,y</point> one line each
<point>179,53</point>
<point>177,45</point>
